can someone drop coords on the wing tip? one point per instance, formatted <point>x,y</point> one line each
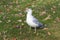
<point>42,26</point>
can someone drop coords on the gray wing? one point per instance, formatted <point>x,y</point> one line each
<point>37,22</point>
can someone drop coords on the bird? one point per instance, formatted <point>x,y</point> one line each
<point>32,21</point>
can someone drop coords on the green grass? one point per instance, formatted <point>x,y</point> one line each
<point>11,12</point>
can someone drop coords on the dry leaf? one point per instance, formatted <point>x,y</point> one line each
<point>54,11</point>
<point>59,4</point>
<point>57,19</point>
<point>22,24</point>
<point>13,1</point>
<point>16,26</point>
<point>11,7</point>
<point>49,33</point>
<point>37,0</point>
<point>45,29</point>
<point>8,21</point>
<point>8,9</point>
<point>17,2</point>
<point>0,33</point>
<point>14,38</point>
<point>48,17</point>
<point>37,34</point>
<point>54,21</point>
<point>4,6</point>
<point>15,9</point>
<point>53,8</point>
<point>0,11</point>
<point>23,0</point>
<point>0,21</point>
<point>18,6</point>
<point>43,13</point>
<point>19,20</point>
<point>33,5</point>
<point>5,39</point>
<point>20,14</point>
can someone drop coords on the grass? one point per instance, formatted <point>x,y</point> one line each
<point>13,25</point>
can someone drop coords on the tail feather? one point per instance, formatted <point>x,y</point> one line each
<point>41,25</point>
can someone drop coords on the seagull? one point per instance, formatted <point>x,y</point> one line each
<point>32,21</point>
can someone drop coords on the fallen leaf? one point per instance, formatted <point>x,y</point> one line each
<point>5,39</point>
<point>54,11</point>
<point>0,11</point>
<point>0,21</point>
<point>23,0</point>
<point>33,5</point>
<point>54,22</point>
<point>20,14</point>
<point>49,33</point>
<point>0,33</point>
<point>37,34</point>
<point>42,13</point>
<point>18,6</point>
<point>10,6</point>
<point>22,24</point>
<point>8,21</point>
<point>4,6</point>
<point>45,29</point>
<point>16,26</point>
<point>53,8</point>
<point>59,4</point>
<point>8,9</point>
<point>57,19</point>
<point>14,38</point>
<point>48,17</point>
<point>15,9</point>
<point>17,2</point>
<point>19,20</point>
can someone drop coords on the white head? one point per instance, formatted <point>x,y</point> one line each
<point>28,10</point>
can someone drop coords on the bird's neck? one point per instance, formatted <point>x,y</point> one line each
<point>29,13</point>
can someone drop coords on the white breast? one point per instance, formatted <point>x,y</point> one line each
<point>30,22</point>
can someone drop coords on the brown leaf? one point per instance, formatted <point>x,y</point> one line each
<point>48,17</point>
<point>20,14</point>
<point>37,34</point>
<point>0,33</point>
<point>0,11</point>
<point>16,1</point>
<point>8,9</point>
<point>4,6</point>
<point>57,19</point>
<point>43,13</point>
<point>5,39</point>
<point>54,21</point>
<point>53,8</point>
<point>33,5</point>
<point>54,11</point>
<point>11,7</point>
<point>0,21</point>
<point>45,29</point>
<point>22,24</point>
<point>23,0</point>
<point>49,33</point>
<point>19,20</point>
<point>14,38</point>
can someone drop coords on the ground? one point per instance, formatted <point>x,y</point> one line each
<point>13,16</point>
